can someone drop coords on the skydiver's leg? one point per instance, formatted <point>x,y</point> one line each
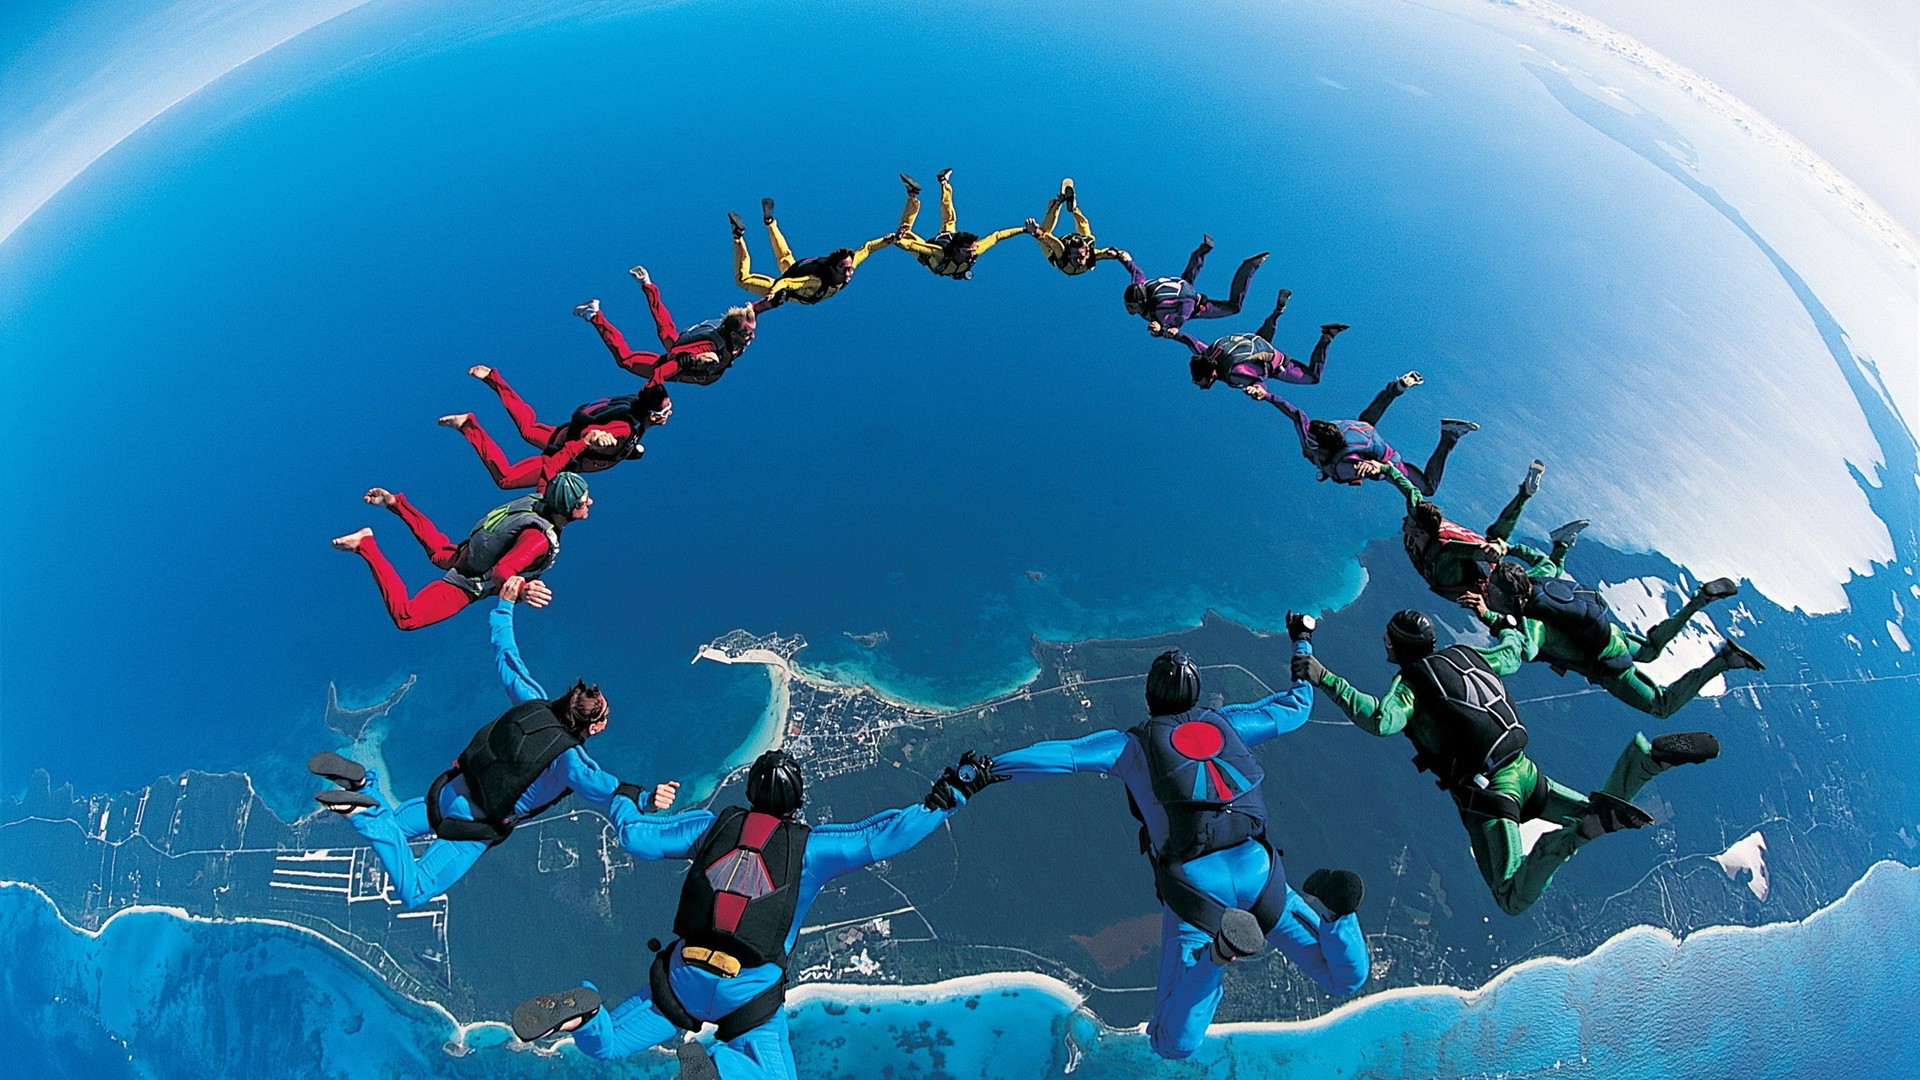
<point>1080,223</point>
<point>1633,769</point>
<point>1052,217</point>
<point>757,284</point>
<point>1242,278</point>
<point>1669,628</point>
<point>1333,952</point>
<point>1273,321</point>
<point>438,601</point>
<point>1197,260</point>
<point>765,1053</point>
<point>440,550</point>
<point>1423,479</point>
<point>624,1030</point>
<point>949,221</point>
<point>524,418</point>
<point>911,213</point>
<point>624,354</point>
<point>1377,408</point>
<point>782,254</point>
<point>1676,694</point>
<point>1517,879</point>
<point>662,318</point>
<point>1317,362</point>
<point>1503,526</point>
<point>507,474</point>
<point>414,881</point>
<point>1189,990</point>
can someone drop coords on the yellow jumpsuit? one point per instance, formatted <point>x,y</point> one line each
<point>805,290</point>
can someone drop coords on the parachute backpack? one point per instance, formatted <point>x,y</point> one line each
<point>501,762</point>
<point>1478,731</point>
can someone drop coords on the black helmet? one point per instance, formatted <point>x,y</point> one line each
<point>1173,684</point>
<point>774,785</point>
<point>1411,633</point>
<point>1204,372</point>
<point>1135,298</point>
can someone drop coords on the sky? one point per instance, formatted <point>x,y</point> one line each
<point>79,76</point>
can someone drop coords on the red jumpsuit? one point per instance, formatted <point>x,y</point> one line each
<point>536,471</point>
<point>441,599</point>
<point>656,368</point>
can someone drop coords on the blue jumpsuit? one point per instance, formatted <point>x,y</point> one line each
<point>418,880</point>
<point>1332,953</point>
<point>832,850</point>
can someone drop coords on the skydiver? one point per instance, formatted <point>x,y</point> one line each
<point>1453,559</point>
<point>699,355</point>
<point>506,553</point>
<point>756,870</point>
<point>1452,705</point>
<point>1338,447</point>
<point>1167,303</point>
<point>1076,252</point>
<point>949,253</point>
<point>599,435</point>
<point>1571,628</point>
<point>807,281</point>
<point>1195,786</point>
<point>515,768</point>
<point>1244,361</point>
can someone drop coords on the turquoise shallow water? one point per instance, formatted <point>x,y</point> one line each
<point>194,999</point>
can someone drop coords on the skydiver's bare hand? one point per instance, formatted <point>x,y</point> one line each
<point>1032,227</point>
<point>536,593</point>
<point>1259,392</point>
<point>1368,470</point>
<point>599,440</point>
<point>663,794</point>
<point>1473,601</point>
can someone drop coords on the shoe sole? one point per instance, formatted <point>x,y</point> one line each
<point>537,1018</point>
<point>343,771</point>
<point>1685,748</point>
<point>1240,934</point>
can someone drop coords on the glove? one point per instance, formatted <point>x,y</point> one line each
<point>1308,669</point>
<point>973,773</point>
<point>1300,627</point>
<point>641,796</point>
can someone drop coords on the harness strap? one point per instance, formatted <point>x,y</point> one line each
<point>1184,899</point>
<point>452,828</point>
<point>758,1009</point>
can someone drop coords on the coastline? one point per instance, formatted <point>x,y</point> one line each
<point>462,1037</point>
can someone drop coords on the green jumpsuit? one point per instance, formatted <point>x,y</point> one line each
<point>1516,877</point>
<point>1628,683</point>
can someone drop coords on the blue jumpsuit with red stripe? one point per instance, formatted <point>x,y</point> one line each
<point>1332,952</point>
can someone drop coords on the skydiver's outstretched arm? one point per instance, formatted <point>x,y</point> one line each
<point>1098,752</point>
<point>842,849</point>
<point>1199,347</point>
<point>1276,714</point>
<point>656,836</point>
<point>1384,715</point>
<point>1377,408</point>
<point>519,683</point>
<point>981,245</point>
<point>1399,479</point>
<point>860,253</point>
<point>1126,260</point>
<point>1294,413</point>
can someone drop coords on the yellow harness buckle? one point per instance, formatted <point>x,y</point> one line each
<point>712,960</point>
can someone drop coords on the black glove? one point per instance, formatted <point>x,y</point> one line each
<point>642,797</point>
<point>973,773</point>
<point>1300,627</point>
<point>1308,669</point>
